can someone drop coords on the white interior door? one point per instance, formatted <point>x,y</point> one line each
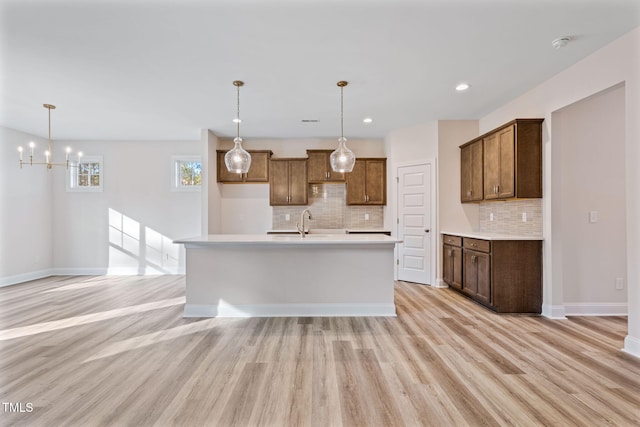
<point>414,223</point>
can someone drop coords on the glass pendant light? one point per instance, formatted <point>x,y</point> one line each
<point>237,160</point>
<point>342,159</point>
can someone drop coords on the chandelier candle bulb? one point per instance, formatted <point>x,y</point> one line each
<point>20,151</point>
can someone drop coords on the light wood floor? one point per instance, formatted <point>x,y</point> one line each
<point>90,351</point>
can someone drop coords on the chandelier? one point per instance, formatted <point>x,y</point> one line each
<point>47,154</point>
<point>237,160</point>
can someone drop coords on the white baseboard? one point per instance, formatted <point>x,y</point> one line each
<point>135,271</point>
<point>441,284</point>
<point>25,277</point>
<point>289,310</point>
<point>596,309</point>
<point>632,346</point>
<point>553,311</point>
<point>79,271</point>
<point>98,271</point>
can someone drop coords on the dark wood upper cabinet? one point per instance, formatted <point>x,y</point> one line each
<point>367,183</point>
<point>258,172</point>
<point>511,162</point>
<point>288,182</point>
<point>319,167</point>
<point>499,165</point>
<point>471,165</point>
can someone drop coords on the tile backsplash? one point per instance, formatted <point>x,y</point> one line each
<point>327,203</point>
<point>508,217</point>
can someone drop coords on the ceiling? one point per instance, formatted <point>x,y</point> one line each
<point>163,70</point>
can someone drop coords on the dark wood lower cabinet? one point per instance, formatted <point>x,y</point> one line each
<point>477,276</point>
<point>504,275</point>
<point>453,266</point>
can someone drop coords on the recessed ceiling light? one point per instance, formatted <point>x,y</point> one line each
<point>310,120</point>
<point>367,120</point>
<point>462,87</point>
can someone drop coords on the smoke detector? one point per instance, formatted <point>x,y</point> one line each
<point>560,42</point>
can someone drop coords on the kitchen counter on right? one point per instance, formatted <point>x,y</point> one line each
<point>490,236</point>
<point>500,271</point>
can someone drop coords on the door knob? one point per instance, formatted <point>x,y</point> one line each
<point>426,231</point>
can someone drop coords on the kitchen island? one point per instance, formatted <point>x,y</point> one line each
<point>238,275</point>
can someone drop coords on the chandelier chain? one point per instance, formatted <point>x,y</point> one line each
<point>238,112</point>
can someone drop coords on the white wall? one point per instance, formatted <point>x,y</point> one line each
<point>453,215</point>
<point>438,141</point>
<point>245,208</point>
<point>415,143</point>
<point>127,228</point>
<point>211,197</point>
<point>26,219</point>
<point>616,63</point>
<point>298,147</point>
<point>589,137</point>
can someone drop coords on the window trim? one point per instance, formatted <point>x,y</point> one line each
<point>175,173</point>
<point>72,176</point>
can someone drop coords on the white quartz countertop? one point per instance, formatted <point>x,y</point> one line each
<point>490,236</point>
<point>331,231</point>
<point>285,239</point>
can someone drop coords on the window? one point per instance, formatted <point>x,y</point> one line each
<point>187,173</point>
<point>85,175</point>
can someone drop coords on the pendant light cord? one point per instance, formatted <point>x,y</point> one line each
<point>341,112</point>
<point>49,130</point>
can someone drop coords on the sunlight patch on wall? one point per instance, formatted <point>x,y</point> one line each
<point>138,249</point>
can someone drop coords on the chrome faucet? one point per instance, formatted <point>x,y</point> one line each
<point>300,225</point>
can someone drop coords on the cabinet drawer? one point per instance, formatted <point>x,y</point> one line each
<point>477,245</point>
<point>452,240</point>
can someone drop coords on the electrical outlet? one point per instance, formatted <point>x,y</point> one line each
<point>366,217</point>
<point>287,217</point>
<point>619,283</point>
<point>593,217</point>
<point>490,216</point>
<point>524,217</point>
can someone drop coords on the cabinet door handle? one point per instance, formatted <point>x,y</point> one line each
<point>450,254</point>
<point>427,230</point>
<point>473,259</point>
<point>497,188</point>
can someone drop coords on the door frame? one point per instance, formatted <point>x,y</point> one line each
<point>433,227</point>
